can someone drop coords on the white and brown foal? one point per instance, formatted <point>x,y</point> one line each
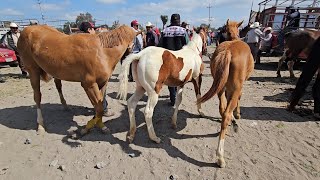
<point>154,67</point>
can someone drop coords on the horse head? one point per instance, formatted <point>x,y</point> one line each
<point>232,29</point>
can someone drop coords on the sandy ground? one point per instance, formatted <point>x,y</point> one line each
<point>271,143</point>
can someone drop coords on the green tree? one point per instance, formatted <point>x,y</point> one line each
<point>84,17</point>
<point>164,19</point>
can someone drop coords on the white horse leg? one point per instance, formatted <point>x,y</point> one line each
<point>290,67</point>
<point>40,121</point>
<point>132,104</point>
<point>152,102</point>
<point>176,107</point>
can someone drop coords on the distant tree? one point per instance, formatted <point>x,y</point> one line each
<point>164,19</point>
<point>84,17</point>
<point>115,24</point>
<point>66,27</point>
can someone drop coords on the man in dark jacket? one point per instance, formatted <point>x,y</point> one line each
<point>309,69</point>
<point>173,38</point>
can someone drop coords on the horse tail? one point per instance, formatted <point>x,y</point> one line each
<point>123,76</point>
<point>45,76</point>
<point>220,73</point>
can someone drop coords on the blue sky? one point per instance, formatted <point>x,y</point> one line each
<point>194,12</point>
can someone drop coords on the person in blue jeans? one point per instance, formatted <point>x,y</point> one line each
<point>173,37</point>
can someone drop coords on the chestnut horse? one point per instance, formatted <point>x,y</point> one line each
<point>154,67</point>
<point>231,65</point>
<point>86,58</point>
<point>297,43</point>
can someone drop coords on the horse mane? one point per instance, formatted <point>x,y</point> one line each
<point>192,45</point>
<point>123,34</point>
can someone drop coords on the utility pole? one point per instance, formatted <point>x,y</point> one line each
<point>209,20</point>
<point>42,16</point>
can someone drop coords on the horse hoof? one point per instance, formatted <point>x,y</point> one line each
<point>221,163</point>
<point>235,128</point>
<point>279,75</point>
<point>130,139</point>
<point>83,131</point>
<point>40,130</point>
<point>156,140</point>
<point>201,114</point>
<point>237,116</point>
<point>105,130</point>
<point>174,126</point>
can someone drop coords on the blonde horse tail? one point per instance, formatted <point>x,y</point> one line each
<point>220,73</point>
<point>123,76</point>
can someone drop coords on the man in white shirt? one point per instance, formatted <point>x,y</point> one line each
<point>253,37</point>
<point>265,43</point>
<point>10,41</point>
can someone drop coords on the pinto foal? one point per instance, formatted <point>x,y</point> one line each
<point>154,67</point>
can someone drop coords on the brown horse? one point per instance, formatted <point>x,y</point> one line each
<point>297,43</point>
<point>86,58</point>
<point>231,64</point>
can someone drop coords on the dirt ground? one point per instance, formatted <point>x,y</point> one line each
<point>272,143</point>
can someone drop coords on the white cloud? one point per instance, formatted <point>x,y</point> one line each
<point>10,12</point>
<point>72,16</point>
<point>111,1</point>
<point>52,6</point>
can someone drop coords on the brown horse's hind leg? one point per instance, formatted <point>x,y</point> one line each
<point>95,97</point>
<point>222,102</point>
<point>35,83</point>
<point>226,118</point>
<point>59,88</point>
<point>280,64</point>
<point>290,68</point>
<point>236,112</point>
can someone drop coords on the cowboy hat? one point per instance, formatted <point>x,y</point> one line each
<point>149,24</point>
<point>13,25</point>
<point>267,29</point>
<point>255,25</point>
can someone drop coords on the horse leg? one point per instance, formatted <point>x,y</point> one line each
<point>226,117</point>
<point>290,68</point>
<point>280,64</point>
<point>132,104</point>
<point>197,86</point>
<point>152,102</point>
<point>95,97</point>
<point>176,107</point>
<point>59,88</point>
<point>222,102</point>
<point>35,83</point>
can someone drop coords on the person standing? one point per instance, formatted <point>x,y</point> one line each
<point>137,44</point>
<point>265,43</point>
<point>294,19</point>
<point>309,69</point>
<point>173,38</point>
<point>151,36</point>
<point>253,37</point>
<point>88,27</point>
<point>10,41</point>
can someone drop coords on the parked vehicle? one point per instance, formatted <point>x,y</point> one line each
<point>8,57</point>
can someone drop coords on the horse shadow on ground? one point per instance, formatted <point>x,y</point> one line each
<point>59,121</point>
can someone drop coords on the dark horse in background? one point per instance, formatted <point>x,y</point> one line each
<point>297,46</point>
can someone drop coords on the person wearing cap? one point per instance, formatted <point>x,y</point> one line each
<point>265,43</point>
<point>294,18</point>
<point>87,27</point>
<point>10,41</point>
<point>173,38</point>
<point>151,36</point>
<point>137,44</point>
<point>253,37</point>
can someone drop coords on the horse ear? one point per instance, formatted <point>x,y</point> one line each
<point>239,24</point>
<point>227,22</point>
